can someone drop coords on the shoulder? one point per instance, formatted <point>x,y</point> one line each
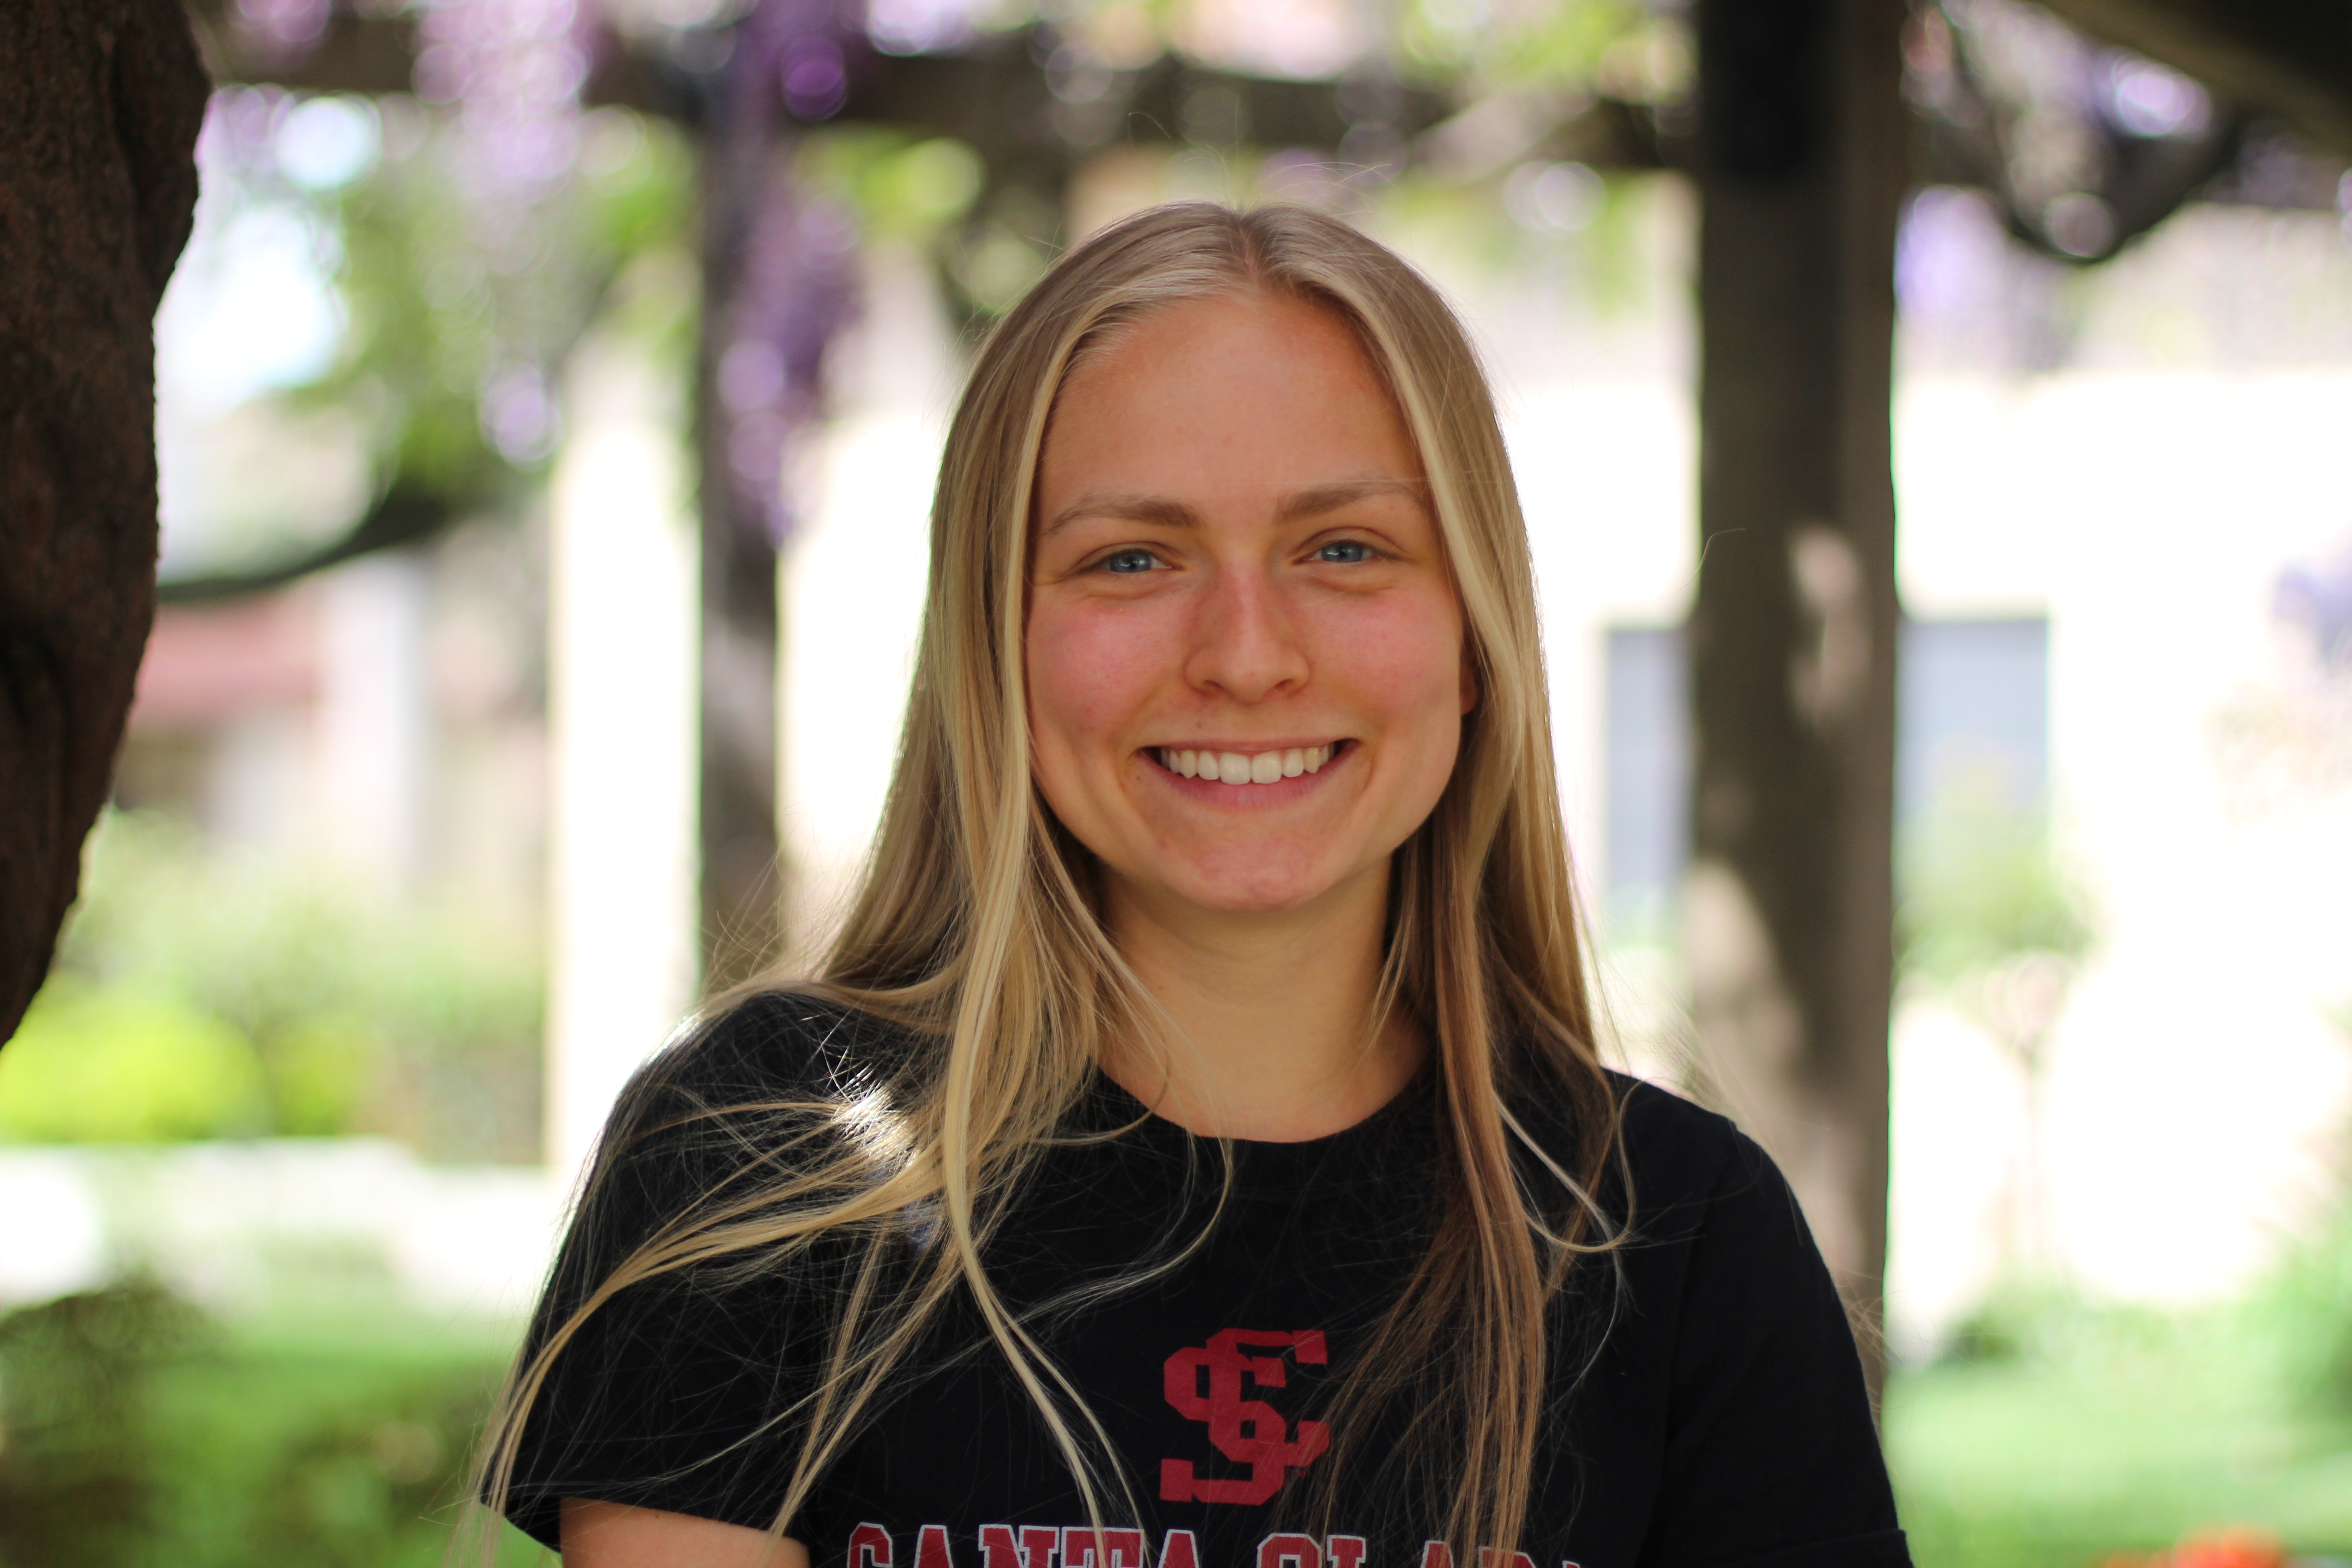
<point>1740,1338</point>
<point>770,1055</point>
<point>734,1095</point>
<point>675,1276</point>
<point>1676,1148</point>
<point>1677,1174</point>
<point>1711,1223</point>
<point>1667,1150</point>
<point>1689,1173</point>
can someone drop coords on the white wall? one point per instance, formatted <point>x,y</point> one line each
<point>2195,1078</point>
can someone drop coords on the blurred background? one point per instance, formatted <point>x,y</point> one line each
<point>548,406</point>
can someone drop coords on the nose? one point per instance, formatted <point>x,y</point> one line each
<point>1245,644</point>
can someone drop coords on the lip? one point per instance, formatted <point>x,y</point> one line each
<point>1246,748</point>
<point>1248,797</point>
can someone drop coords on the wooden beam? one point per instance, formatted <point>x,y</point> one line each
<point>355,54</point>
<point>994,96</point>
<point>2292,58</point>
<point>1790,904</point>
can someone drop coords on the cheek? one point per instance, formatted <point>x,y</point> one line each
<point>1089,668</point>
<point>1401,657</point>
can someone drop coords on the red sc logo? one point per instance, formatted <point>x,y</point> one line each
<point>1248,1431</point>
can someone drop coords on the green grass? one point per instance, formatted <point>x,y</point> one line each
<point>2114,1447</point>
<point>329,1443</point>
<point>138,1432</point>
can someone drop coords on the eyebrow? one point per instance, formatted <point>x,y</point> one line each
<point>1313,501</point>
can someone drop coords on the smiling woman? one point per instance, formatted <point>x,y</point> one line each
<point>1241,565</point>
<point>1195,1153</point>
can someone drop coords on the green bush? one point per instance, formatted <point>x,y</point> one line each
<point>208,991</point>
<point>81,1471</point>
<point>135,1431</point>
<point>2302,1315</point>
<point>101,1065</point>
<point>2062,1433</point>
<point>1981,883</point>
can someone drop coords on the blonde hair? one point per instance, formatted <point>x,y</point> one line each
<point>976,930</point>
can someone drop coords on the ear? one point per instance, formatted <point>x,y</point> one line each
<point>1469,682</point>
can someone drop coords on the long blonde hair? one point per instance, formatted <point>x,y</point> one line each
<point>976,932</point>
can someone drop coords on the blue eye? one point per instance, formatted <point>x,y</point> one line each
<point>1345,552</point>
<point>1129,562</point>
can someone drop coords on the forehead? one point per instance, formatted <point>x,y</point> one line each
<point>1251,389</point>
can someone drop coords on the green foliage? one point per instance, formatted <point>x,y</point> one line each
<point>2302,1314</point>
<point>2058,1432</point>
<point>203,991</point>
<point>420,334</point>
<point>1604,263</point>
<point>1554,41</point>
<point>1509,43</point>
<point>921,194</point>
<point>345,1456</point>
<point>636,183</point>
<point>2123,1441</point>
<point>99,1065</point>
<point>2312,1317</point>
<point>137,1432</point>
<point>1619,276</point>
<point>79,1457</point>
<point>439,294</point>
<point>2001,1329</point>
<point>1981,884</point>
<point>903,188</point>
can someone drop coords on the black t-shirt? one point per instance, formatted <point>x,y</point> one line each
<point>1706,1405</point>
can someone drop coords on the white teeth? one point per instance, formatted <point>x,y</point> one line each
<point>1237,768</point>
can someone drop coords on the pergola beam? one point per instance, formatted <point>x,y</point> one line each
<point>993,96</point>
<point>2292,58</point>
<point>363,54</point>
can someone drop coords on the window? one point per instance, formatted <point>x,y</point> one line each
<point>1974,715</point>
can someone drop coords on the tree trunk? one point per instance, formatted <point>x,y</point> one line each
<point>100,105</point>
<point>741,884</point>
<point>1790,904</point>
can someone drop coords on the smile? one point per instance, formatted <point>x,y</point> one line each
<point>1246,767</point>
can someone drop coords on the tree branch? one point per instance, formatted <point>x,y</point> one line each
<point>406,515</point>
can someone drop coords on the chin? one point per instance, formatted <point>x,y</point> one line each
<point>1252,886</point>
<point>1254,901</point>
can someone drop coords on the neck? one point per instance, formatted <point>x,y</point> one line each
<point>1274,1035</point>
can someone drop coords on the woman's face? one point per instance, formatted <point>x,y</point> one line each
<point>1246,664</point>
